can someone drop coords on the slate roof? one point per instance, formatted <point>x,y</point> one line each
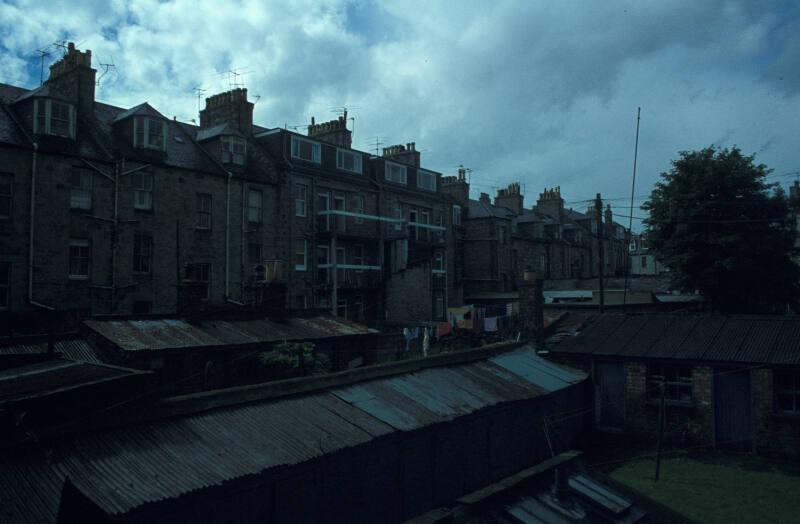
<point>478,209</point>
<point>159,334</point>
<point>217,130</point>
<point>125,468</point>
<point>143,109</point>
<point>739,339</point>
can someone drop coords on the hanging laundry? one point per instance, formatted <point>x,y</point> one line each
<point>444,328</point>
<point>490,324</point>
<point>464,324</point>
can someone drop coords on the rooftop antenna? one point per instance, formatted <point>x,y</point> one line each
<point>257,97</point>
<point>343,111</point>
<point>234,75</point>
<point>378,144</point>
<point>106,69</point>
<point>630,220</point>
<point>42,53</point>
<point>199,94</point>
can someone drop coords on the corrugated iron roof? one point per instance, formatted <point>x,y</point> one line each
<point>72,348</point>
<point>763,339</point>
<point>51,376</point>
<point>156,334</point>
<point>125,468</point>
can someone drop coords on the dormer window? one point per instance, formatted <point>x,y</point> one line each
<point>395,173</point>
<point>426,180</point>
<point>306,150</point>
<point>234,150</point>
<point>348,161</point>
<point>51,117</point>
<point>149,133</point>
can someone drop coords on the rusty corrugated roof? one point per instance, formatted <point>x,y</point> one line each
<point>125,468</point>
<point>71,348</point>
<point>156,334</point>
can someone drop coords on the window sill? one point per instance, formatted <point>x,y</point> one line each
<point>680,404</point>
<point>78,277</point>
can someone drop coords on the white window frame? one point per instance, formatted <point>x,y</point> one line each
<point>300,199</point>
<point>234,150</point>
<point>323,261</point>
<point>304,265</point>
<point>8,179</point>
<point>398,177</point>
<point>358,164</point>
<point>340,220</point>
<point>80,243</point>
<point>316,150</point>
<point>142,190</point>
<point>145,123</point>
<point>426,175</point>
<point>80,196</point>
<point>45,105</point>
<point>253,209</point>
<point>398,215</point>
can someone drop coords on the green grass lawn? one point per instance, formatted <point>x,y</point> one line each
<point>718,488</point>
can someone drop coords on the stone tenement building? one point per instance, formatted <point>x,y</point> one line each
<point>113,211</point>
<point>106,210</point>
<point>501,239</point>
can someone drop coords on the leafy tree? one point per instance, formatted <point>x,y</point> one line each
<point>291,358</point>
<point>723,230</point>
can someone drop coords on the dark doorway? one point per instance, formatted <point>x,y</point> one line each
<point>733,415</point>
<point>609,395</point>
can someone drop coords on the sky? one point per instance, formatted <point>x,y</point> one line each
<point>543,93</point>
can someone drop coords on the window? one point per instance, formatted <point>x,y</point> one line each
<point>348,161</point>
<point>6,195</point>
<point>398,216</point>
<point>149,133</point>
<point>677,381</point>
<point>323,203</point>
<point>358,255</point>
<point>300,302</point>
<point>79,254</point>
<point>53,118</point>
<point>787,391</point>
<point>426,180</point>
<point>142,190</point>
<point>80,194</point>
<point>341,220</point>
<point>255,253</point>
<point>438,261</point>
<point>254,202</point>
<point>358,207</point>
<point>358,308</point>
<point>644,262</point>
<point>306,150</point>
<point>542,263</point>
<point>5,284</point>
<point>423,232</point>
<point>323,259</point>
<point>142,253</point>
<point>300,254</point>
<point>341,308</point>
<point>300,199</point>
<point>203,211</point>
<point>234,150</point>
<point>341,259</point>
<point>200,273</point>
<point>456,215</point>
<point>395,173</point>
<point>502,234</point>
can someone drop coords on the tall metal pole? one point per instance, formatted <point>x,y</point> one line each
<point>661,416</point>
<point>630,219</point>
<point>598,208</point>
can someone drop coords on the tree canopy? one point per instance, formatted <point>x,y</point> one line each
<point>724,230</point>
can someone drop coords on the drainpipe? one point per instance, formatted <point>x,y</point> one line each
<point>31,236</point>
<point>228,236</point>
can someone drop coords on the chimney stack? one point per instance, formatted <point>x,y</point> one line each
<point>73,77</point>
<point>231,107</point>
<point>485,198</point>
<point>403,153</point>
<point>333,132</point>
<point>510,198</point>
<point>550,203</point>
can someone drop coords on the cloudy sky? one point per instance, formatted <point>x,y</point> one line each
<point>544,93</point>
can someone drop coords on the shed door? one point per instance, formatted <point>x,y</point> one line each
<point>609,395</point>
<point>733,416</point>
